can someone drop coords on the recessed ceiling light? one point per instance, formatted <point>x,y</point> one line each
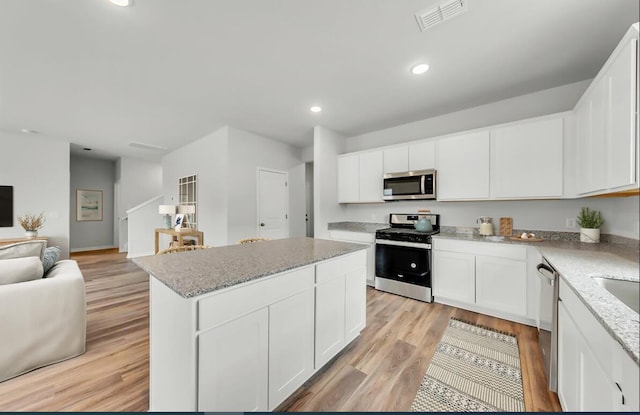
<point>121,3</point>
<point>28,131</point>
<point>315,109</point>
<point>420,69</point>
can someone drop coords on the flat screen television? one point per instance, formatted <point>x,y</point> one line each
<point>6,206</point>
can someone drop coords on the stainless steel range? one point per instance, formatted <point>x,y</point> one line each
<point>403,256</point>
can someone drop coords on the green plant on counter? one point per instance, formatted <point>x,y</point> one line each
<point>590,219</point>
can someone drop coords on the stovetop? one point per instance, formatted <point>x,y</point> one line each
<point>402,228</point>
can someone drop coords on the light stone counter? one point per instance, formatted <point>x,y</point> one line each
<point>577,263</point>
<point>198,272</point>
<point>365,227</point>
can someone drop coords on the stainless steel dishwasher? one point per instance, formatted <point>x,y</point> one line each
<point>548,321</point>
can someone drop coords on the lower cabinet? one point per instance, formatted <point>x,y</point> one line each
<point>233,355</point>
<point>482,277</point>
<point>594,373</point>
<point>330,319</point>
<point>368,238</point>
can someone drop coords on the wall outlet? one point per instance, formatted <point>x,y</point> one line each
<point>570,223</point>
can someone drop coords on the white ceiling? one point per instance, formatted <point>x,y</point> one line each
<point>167,72</point>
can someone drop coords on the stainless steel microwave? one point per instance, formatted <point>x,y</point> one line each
<point>419,184</point>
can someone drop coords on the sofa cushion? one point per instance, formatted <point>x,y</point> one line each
<point>23,249</point>
<point>20,270</point>
<point>51,256</point>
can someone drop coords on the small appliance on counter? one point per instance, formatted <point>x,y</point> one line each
<point>486,225</point>
<point>403,255</point>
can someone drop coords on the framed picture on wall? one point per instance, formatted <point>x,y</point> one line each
<point>88,205</point>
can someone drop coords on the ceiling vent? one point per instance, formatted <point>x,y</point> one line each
<point>446,10</point>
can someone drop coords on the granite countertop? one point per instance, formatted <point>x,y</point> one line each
<point>198,272</point>
<point>367,227</point>
<point>577,262</point>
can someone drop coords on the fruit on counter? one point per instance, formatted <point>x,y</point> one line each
<point>525,235</point>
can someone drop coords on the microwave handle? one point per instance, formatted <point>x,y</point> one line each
<point>422,181</point>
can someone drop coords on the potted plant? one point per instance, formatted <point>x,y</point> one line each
<point>31,224</point>
<point>590,222</point>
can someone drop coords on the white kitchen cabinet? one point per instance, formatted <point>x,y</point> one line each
<point>396,159</point>
<point>526,159</point>
<point>463,166</point>
<point>501,284</point>
<point>330,319</point>
<point>422,155</point>
<point>454,276</point>
<point>290,362</point>
<point>606,135</point>
<point>360,177</point>
<point>371,177</point>
<point>594,373</point>
<point>622,106</point>
<point>233,365</point>
<point>349,178</point>
<point>484,277</point>
<point>360,238</point>
<point>355,303</point>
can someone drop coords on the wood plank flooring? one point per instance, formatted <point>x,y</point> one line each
<point>379,371</point>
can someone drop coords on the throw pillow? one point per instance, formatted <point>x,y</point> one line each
<point>20,270</point>
<point>51,256</point>
<point>23,249</point>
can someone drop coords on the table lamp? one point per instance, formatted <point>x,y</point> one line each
<point>167,211</point>
<point>187,210</point>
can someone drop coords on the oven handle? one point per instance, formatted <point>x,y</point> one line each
<point>402,243</point>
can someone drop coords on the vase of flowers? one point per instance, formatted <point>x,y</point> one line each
<point>590,222</point>
<point>31,223</point>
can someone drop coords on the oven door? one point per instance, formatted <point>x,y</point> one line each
<point>406,262</point>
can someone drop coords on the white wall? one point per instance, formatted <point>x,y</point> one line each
<point>327,145</point>
<point>92,174</point>
<point>143,220</point>
<point>207,158</point>
<point>247,152</point>
<point>38,169</point>
<point>549,101</point>
<point>136,181</point>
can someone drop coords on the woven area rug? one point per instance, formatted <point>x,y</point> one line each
<point>473,370</point>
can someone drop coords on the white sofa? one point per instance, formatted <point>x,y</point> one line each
<point>42,321</point>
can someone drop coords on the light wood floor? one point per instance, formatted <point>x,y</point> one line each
<point>379,371</point>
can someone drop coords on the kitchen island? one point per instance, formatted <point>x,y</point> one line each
<point>240,328</point>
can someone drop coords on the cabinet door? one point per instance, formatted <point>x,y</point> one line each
<point>527,160</point>
<point>422,156</point>
<point>233,365</point>
<point>330,319</point>
<point>591,142</point>
<point>396,160</point>
<point>290,345</point>
<point>463,167</point>
<point>355,303</point>
<point>371,177</point>
<point>349,178</point>
<point>598,392</point>
<point>454,276</point>
<point>622,106</point>
<point>568,361</point>
<point>501,284</point>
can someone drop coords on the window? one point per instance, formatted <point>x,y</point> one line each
<point>187,198</point>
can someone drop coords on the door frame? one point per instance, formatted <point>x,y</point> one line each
<point>286,178</point>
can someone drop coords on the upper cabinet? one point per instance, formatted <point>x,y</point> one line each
<point>463,167</point>
<point>422,155</point>
<point>360,177</point>
<point>606,117</point>
<point>526,160</point>
<point>396,159</point>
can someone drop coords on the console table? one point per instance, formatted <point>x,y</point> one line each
<point>10,241</point>
<point>179,235</point>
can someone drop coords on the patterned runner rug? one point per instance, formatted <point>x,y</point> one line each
<point>473,370</point>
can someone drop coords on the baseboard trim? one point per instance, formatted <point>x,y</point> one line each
<point>92,248</point>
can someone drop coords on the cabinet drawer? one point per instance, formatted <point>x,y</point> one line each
<point>598,340</point>
<point>333,268</point>
<point>221,307</point>
<point>518,253</point>
<point>365,237</point>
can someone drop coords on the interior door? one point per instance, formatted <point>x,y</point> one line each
<point>273,203</point>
